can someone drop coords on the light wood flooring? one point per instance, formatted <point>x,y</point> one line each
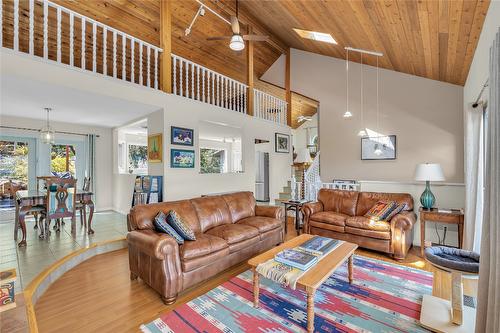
<point>98,296</point>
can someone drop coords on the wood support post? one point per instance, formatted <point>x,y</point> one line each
<point>287,89</point>
<point>250,74</point>
<point>166,45</point>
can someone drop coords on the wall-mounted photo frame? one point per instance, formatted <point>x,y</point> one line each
<point>282,143</point>
<point>155,148</point>
<point>181,158</point>
<point>378,148</point>
<point>181,136</point>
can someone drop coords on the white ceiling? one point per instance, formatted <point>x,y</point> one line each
<point>24,98</point>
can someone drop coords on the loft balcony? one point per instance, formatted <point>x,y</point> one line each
<point>56,34</point>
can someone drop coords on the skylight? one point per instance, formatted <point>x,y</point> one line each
<point>314,35</point>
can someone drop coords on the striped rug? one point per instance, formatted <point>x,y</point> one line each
<point>383,298</point>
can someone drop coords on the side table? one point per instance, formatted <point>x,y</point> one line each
<point>449,216</point>
<point>297,207</point>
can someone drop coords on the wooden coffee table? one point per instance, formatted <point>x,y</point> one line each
<point>314,277</point>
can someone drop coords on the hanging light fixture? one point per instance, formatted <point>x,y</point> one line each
<point>377,150</point>
<point>347,113</point>
<point>362,132</point>
<point>47,133</point>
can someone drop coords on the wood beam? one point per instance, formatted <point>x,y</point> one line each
<point>250,74</point>
<point>166,45</point>
<point>246,18</point>
<point>288,92</point>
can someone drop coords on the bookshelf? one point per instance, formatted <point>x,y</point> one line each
<point>147,189</point>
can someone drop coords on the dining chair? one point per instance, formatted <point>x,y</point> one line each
<point>81,207</point>
<point>60,203</point>
<point>36,210</point>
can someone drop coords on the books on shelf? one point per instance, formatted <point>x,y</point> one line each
<point>319,245</point>
<point>296,258</point>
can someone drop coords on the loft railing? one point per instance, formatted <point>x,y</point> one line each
<point>269,107</point>
<point>45,29</point>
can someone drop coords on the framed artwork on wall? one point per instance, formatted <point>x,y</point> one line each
<point>181,136</point>
<point>378,148</point>
<point>282,143</point>
<point>181,158</point>
<point>155,148</point>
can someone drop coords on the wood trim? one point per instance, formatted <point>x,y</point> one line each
<point>32,288</point>
<point>250,74</point>
<point>166,45</point>
<point>287,89</point>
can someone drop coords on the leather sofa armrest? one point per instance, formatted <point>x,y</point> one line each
<point>269,211</point>
<point>309,209</point>
<point>404,220</point>
<point>154,244</point>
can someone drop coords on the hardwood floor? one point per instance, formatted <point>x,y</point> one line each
<point>98,296</point>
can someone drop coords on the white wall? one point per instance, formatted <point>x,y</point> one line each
<point>103,172</point>
<point>425,115</point>
<point>187,183</point>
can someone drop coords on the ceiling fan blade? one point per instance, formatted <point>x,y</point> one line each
<point>256,38</point>
<point>235,25</point>
<point>219,38</point>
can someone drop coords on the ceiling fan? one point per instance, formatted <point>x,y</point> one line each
<point>303,118</point>
<point>237,39</point>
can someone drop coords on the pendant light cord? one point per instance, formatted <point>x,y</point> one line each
<point>362,111</point>
<point>378,124</point>
<point>347,79</point>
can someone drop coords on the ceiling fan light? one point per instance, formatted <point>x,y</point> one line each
<point>237,43</point>
<point>347,114</point>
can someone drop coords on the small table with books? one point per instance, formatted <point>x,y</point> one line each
<point>313,276</point>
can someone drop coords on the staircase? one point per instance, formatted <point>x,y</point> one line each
<point>286,194</point>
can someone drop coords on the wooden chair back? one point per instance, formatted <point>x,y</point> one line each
<point>61,198</point>
<point>41,182</point>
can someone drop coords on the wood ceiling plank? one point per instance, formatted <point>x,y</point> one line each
<point>454,21</point>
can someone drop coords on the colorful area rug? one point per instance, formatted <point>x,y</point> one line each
<point>383,298</point>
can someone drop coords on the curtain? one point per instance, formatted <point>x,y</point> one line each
<point>488,308</point>
<point>474,173</point>
<point>90,169</point>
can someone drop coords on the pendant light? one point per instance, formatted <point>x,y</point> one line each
<point>377,150</point>
<point>47,133</point>
<point>362,132</point>
<point>347,113</point>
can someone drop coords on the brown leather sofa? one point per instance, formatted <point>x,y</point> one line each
<point>340,214</point>
<point>229,229</point>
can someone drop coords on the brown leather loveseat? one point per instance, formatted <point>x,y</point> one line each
<point>340,214</point>
<point>229,229</point>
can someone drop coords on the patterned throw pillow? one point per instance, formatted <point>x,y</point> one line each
<point>161,225</point>
<point>396,211</point>
<point>381,210</point>
<point>180,226</point>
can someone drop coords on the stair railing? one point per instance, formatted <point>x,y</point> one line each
<point>312,180</point>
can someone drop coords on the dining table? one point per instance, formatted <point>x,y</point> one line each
<point>26,199</point>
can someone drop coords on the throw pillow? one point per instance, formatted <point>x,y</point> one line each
<point>161,225</point>
<point>381,210</point>
<point>396,211</point>
<point>180,226</point>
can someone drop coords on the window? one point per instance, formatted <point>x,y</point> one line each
<point>63,159</point>
<point>220,148</point>
<point>138,159</point>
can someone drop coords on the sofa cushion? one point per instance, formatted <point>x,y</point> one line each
<point>330,218</point>
<point>326,226</point>
<point>366,200</point>
<point>263,224</point>
<point>339,201</point>
<point>161,225</point>
<point>202,246</point>
<point>241,205</point>
<point>234,233</point>
<point>182,228</point>
<point>386,235</point>
<point>188,265</point>
<point>212,212</point>
<point>365,223</point>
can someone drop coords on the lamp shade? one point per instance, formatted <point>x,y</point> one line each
<point>429,172</point>
<point>304,156</point>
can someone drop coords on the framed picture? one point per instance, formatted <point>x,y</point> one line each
<point>181,136</point>
<point>378,148</point>
<point>282,143</point>
<point>155,148</point>
<point>180,158</point>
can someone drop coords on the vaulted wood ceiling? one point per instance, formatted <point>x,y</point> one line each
<point>435,39</point>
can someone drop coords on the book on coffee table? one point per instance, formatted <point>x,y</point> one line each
<point>296,258</point>
<point>319,245</point>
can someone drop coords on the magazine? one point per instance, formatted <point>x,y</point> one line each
<point>319,245</point>
<point>295,258</point>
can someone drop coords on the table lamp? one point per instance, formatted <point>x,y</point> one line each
<point>303,157</point>
<point>428,172</point>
